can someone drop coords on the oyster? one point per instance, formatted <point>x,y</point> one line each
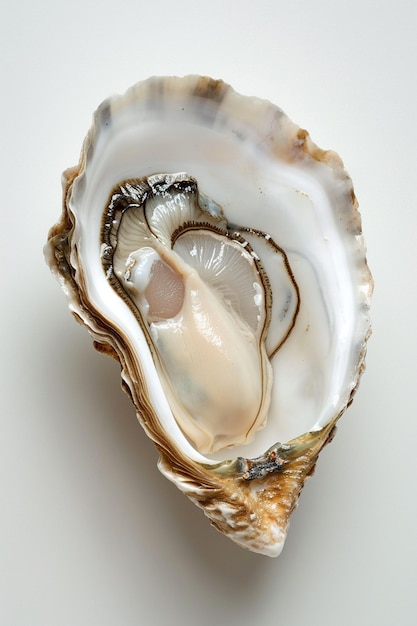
<point>216,252</point>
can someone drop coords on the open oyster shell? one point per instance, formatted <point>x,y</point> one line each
<point>216,252</point>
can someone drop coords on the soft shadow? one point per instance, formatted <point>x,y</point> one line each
<point>156,512</point>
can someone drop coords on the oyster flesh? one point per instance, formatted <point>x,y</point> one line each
<point>216,252</point>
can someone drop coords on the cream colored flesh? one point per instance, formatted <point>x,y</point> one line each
<point>216,372</point>
<point>212,361</point>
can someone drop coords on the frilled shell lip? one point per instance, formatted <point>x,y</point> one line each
<point>255,513</point>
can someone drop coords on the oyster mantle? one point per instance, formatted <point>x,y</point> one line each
<point>187,188</point>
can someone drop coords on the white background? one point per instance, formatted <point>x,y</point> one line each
<point>90,532</point>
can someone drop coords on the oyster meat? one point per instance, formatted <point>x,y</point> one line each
<point>216,252</point>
